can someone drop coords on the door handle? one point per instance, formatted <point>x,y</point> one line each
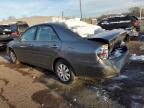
<point>30,44</point>
<point>54,46</point>
<point>23,46</point>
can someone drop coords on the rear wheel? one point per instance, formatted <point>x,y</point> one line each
<point>13,57</point>
<point>64,71</point>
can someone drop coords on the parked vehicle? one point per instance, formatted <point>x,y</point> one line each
<point>18,28</point>
<point>4,40</point>
<point>5,29</point>
<point>5,37</point>
<point>10,31</point>
<point>129,23</point>
<point>57,48</point>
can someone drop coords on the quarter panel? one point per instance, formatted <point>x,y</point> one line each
<point>80,52</point>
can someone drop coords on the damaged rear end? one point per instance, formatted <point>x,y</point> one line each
<point>112,55</point>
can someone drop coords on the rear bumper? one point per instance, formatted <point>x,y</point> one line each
<point>110,69</point>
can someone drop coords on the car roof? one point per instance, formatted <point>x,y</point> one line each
<point>51,24</point>
<point>120,16</point>
<point>64,33</point>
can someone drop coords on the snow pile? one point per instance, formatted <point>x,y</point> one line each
<point>82,28</point>
<point>142,48</point>
<point>134,57</point>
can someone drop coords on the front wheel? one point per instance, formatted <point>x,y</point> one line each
<point>13,57</point>
<point>64,71</point>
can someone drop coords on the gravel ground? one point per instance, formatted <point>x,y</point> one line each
<point>25,86</point>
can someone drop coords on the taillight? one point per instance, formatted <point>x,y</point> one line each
<point>15,34</point>
<point>135,22</point>
<point>102,54</point>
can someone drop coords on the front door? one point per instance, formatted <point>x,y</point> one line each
<point>25,49</point>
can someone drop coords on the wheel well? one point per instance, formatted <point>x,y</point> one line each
<point>9,49</point>
<point>56,60</point>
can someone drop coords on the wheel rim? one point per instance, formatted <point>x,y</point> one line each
<point>13,56</point>
<point>63,72</point>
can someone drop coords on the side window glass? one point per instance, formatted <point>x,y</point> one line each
<point>29,35</point>
<point>46,33</point>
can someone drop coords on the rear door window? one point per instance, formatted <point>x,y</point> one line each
<point>46,33</point>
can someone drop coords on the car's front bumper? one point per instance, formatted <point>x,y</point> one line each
<point>108,70</point>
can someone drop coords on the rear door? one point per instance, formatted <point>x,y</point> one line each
<point>46,46</point>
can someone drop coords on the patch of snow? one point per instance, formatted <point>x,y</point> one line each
<point>120,78</point>
<point>134,57</point>
<point>75,100</point>
<point>80,27</point>
<point>101,93</point>
<point>115,87</point>
<point>136,97</point>
<point>141,72</point>
<point>142,48</point>
<point>116,53</point>
<point>136,105</point>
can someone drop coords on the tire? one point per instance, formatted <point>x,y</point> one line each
<point>64,72</point>
<point>13,57</point>
<point>127,39</point>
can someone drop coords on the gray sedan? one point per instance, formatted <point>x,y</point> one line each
<point>57,48</point>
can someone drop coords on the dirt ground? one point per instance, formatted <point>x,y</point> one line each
<point>25,86</point>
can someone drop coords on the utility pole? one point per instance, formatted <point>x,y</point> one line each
<point>140,13</point>
<point>81,13</point>
<point>62,15</point>
<point>140,10</point>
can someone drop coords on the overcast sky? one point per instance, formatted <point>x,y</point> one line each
<point>20,8</point>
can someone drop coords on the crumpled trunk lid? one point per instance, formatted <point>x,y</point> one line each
<point>113,38</point>
<point>118,51</point>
